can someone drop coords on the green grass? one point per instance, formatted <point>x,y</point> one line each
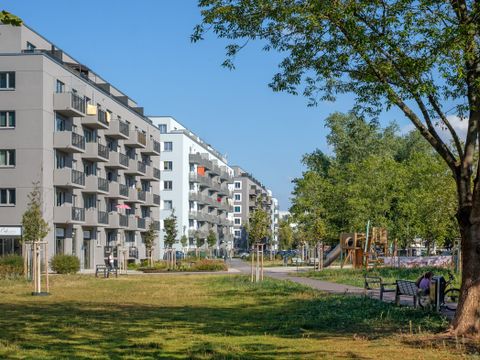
<point>388,274</point>
<point>206,317</point>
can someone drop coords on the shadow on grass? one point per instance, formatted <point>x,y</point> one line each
<point>228,328</point>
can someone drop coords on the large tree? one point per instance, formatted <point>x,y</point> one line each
<point>421,56</point>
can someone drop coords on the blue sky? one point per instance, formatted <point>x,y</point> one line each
<point>143,48</point>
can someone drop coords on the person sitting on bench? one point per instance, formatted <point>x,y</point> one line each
<point>423,282</point>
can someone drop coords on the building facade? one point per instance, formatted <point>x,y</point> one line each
<point>196,185</point>
<point>89,149</point>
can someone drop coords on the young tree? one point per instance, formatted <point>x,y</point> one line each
<point>285,235</point>
<point>170,228</point>
<point>258,226</point>
<point>211,240</point>
<point>422,57</point>
<point>149,240</point>
<point>198,243</point>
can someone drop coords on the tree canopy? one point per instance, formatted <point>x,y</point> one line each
<point>171,232</point>
<point>35,228</point>
<point>259,226</point>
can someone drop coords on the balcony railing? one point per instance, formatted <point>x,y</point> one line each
<point>156,146</point>
<point>156,199</point>
<point>123,159</point>
<point>78,103</point>
<point>102,217</point>
<point>156,173</point>
<point>141,223</point>
<point>156,225</point>
<point>142,195</point>
<point>141,138</point>
<point>103,184</point>
<point>78,141</point>
<point>123,127</point>
<point>141,167</point>
<point>123,190</point>
<point>123,220</point>
<point>103,151</point>
<point>102,117</point>
<point>78,177</point>
<point>78,214</point>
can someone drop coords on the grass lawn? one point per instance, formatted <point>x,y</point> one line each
<point>356,277</point>
<point>208,317</point>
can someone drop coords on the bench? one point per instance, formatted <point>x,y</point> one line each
<point>408,288</point>
<point>106,271</point>
<point>297,261</point>
<point>376,282</point>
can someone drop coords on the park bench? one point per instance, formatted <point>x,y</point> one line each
<point>408,288</point>
<point>297,261</point>
<point>376,283</point>
<point>106,271</point>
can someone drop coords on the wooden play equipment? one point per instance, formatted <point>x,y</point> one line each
<point>352,246</point>
<point>364,250</point>
<point>375,246</point>
<point>257,262</point>
<point>33,265</point>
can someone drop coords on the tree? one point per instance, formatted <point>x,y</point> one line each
<point>184,241</point>
<point>285,235</point>
<point>198,242</point>
<point>211,240</point>
<point>170,228</point>
<point>421,57</point>
<point>258,226</point>
<point>149,240</point>
<point>8,18</point>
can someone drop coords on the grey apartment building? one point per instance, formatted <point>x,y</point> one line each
<point>93,153</point>
<point>248,195</point>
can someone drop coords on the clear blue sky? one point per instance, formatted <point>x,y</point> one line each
<point>143,48</point>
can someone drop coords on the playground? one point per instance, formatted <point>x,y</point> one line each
<point>210,317</point>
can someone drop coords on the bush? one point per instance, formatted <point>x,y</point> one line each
<point>65,264</point>
<point>11,266</point>
<point>209,265</point>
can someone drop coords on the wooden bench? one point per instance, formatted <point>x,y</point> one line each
<point>106,271</point>
<point>376,282</point>
<point>408,288</point>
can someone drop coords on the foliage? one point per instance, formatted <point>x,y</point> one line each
<point>65,264</point>
<point>184,241</point>
<point>8,18</point>
<point>170,228</point>
<point>211,238</point>
<point>258,226</point>
<point>149,237</point>
<point>209,265</point>
<point>11,266</point>
<point>285,235</point>
<point>198,239</point>
<point>35,228</point>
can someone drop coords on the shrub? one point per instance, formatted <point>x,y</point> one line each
<point>11,266</point>
<point>65,264</point>
<point>209,265</point>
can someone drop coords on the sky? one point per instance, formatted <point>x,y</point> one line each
<point>143,48</point>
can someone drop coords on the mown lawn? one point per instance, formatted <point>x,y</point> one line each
<point>388,274</point>
<point>208,317</point>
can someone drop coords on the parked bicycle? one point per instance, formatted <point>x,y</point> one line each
<point>450,297</point>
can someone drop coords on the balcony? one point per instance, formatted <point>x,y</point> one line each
<point>117,221</point>
<point>69,178</point>
<point>224,175</point>
<point>137,139</point>
<point>201,159</point>
<point>69,142</point>
<point>117,160</point>
<point>152,174</point>
<point>152,148</point>
<point>117,191</point>
<point>137,196</point>
<point>156,199</point>
<point>102,218</point>
<point>118,129</point>
<point>91,217</point>
<point>69,104</point>
<point>96,185</point>
<point>68,214</point>
<point>96,152</point>
<point>152,200</point>
<point>136,168</point>
<point>98,121</point>
<point>141,224</point>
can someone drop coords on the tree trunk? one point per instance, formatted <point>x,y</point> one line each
<point>467,316</point>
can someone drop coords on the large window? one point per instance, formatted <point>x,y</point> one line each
<point>167,204</point>
<point>7,158</point>
<point>7,119</point>
<point>7,197</point>
<point>7,80</point>
<point>168,185</point>
<point>168,146</point>
<point>168,165</point>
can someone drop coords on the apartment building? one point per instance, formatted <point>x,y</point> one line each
<point>248,195</point>
<point>94,155</point>
<point>196,185</point>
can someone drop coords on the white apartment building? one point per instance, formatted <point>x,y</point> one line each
<point>196,184</point>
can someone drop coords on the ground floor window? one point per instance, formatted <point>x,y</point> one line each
<point>10,246</point>
<point>59,241</point>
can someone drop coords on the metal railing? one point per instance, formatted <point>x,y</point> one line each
<point>78,141</point>
<point>156,199</point>
<point>142,195</point>
<point>123,189</point>
<point>156,146</point>
<point>78,214</point>
<point>123,220</point>
<point>141,223</point>
<point>103,151</point>
<point>102,217</point>
<point>123,127</point>
<point>156,173</point>
<point>102,117</point>
<point>123,159</point>
<point>78,177</point>
<point>156,225</point>
<point>103,184</point>
<point>141,167</point>
<point>78,103</point>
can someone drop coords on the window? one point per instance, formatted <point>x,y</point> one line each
<point>167,146</point>
<point>7,119</point>
<point>90,201</point>
<point>168,185</point>
<point>238,197</point>
<point>60,88</point>
<point>168,165</point>
<point>237,221</point>
<point>30,46</point>
<point>61,160</point>
<point>7,197</point>
<point>167,204</point>
<point>238,185</point>
<point>7,157</point>
<point>162,128</point>
<point>60,123</point>
<point>237,209</point>
<point>7,80</point>
<point>237,233</point>
<point>60,196</point>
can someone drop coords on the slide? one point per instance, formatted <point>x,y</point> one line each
<point>332,255</point>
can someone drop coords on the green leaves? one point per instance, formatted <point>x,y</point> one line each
<point>170,228</point>
<point>258,226</point>
<point>8,18</point>
<point>35,228</point>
